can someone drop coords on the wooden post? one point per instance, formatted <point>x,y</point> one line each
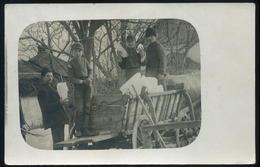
<point>147,140</point>
<point>148,100</point>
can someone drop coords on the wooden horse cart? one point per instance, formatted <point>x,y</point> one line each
<point>150,120</point>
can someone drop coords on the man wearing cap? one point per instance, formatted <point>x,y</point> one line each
<point>53,114</point>
<point>134,60</point>
<point>155,57</point>
<point>79,73</point>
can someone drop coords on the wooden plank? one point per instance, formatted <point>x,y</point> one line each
<point>179,103</point>
<point>130,104</point>
<point>131,113</point>
<point>162,108</point>
<point>112,127</point>
<point>175,105</point>
<point>124,117</point>
<point>157,109</point>
<point>92,139</point>
<point>109,118</point>
<point>136,110</point>
<point>167,108</point>
<point>174,125</point>
<point>157,103</point>
<point>164,93</point>
<point>107,98</point>
<point>168,112</point>
<point>172,106</point>
<point>147,140</point>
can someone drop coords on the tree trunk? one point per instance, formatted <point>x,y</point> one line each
<point>89,42</point>
<point>123,32</point>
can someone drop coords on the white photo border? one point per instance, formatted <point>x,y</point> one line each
<point>227,46</point>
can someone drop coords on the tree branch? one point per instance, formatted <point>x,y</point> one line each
<point>65,45</point>
<point>48,34</point>
<point>77,29</point>
<point>45,46</point>
<point>67,27</point>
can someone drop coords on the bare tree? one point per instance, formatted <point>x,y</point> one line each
<point>98,38</point>
<point>178,37</point>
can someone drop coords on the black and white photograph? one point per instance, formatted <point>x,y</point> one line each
<point>117,84</point>
<point>113,84</point>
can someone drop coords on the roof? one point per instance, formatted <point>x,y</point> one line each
<point>46,59</point>
<point>27,70</point>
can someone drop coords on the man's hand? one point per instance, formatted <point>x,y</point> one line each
<point>161,77</point>
<point>64,102</point>
<point>120,53</point>
<point>87,81</point>
<point>81,81</point>
<point>143,55</point>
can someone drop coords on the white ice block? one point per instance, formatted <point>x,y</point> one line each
<point>135,80</point>
<point>62,90</point>
<point>138,82</point>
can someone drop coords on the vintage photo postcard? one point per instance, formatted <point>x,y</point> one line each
<point>113,84</point>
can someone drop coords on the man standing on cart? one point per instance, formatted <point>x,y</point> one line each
<point>135,59</point>
<point>79,73</point>
<point>155,57</point>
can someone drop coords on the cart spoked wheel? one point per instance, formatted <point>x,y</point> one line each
<point>185,136</point>
<point>138,135</point>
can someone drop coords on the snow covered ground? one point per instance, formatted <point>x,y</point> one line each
<point>194,53</point>
<point>42,138</point>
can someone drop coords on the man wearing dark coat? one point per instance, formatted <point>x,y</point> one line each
<point>155,57</point>
<point>53,114</point>
<point>135,59</point>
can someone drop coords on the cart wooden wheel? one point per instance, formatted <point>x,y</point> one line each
<point>139,139</point>
<point>184,136</point>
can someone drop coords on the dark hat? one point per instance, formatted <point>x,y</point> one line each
<point>45,71</point>
<point>130,38</point>
<point>77,45</point>
<point>150,32</point>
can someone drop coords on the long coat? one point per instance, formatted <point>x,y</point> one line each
<point>155,59</point>
<point>52,110</point>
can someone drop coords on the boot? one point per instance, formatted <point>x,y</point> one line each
<point>87,131</point>
<point>91,129</point>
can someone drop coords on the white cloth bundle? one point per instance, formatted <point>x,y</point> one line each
<point>31,112</point>
<point>139,48</point>
<point>119,47</point>
<point>62,90</point>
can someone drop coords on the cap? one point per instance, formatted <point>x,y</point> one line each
<point>130,38</point>
<point>150,32</point>
<point>77,45</point>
